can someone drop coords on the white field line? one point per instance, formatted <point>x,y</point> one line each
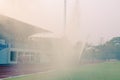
<point>27,74</point>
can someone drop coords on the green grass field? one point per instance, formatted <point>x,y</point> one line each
<point>102,71</point>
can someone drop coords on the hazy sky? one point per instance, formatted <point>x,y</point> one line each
<point>98,19</point>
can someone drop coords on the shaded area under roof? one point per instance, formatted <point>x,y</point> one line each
<point>12,29</point>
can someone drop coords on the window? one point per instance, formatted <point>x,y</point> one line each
<point>12,56</point>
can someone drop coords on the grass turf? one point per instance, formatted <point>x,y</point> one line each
<point>102,71</point>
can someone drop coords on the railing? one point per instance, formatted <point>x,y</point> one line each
<point>3,46</point>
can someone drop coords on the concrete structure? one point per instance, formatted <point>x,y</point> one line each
<point>15,43</point>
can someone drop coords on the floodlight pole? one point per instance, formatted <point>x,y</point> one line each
<point>65,15</point>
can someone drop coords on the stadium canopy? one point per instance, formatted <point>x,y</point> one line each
<point>12,29</point>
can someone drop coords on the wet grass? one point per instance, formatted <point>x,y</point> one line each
<point>102,71</point>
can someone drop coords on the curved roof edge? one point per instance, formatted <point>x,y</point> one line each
<point>12,28</point>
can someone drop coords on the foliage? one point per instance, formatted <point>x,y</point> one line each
<point>105,52</point>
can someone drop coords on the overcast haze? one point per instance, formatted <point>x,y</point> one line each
<point>98,18</point>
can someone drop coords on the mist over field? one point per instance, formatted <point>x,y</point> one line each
<point>60,35</point>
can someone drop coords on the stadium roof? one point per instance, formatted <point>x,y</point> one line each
<point>11,29</point>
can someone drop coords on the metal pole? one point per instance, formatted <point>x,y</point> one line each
<point>65,13</point>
